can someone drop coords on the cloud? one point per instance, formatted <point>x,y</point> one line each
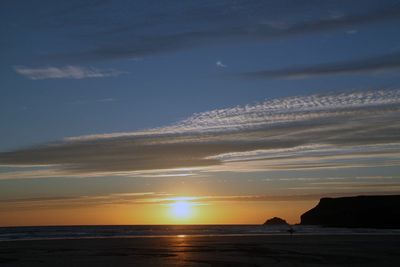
<point>220,64</point>
<point>105,100</point>
<point>67,72</point>
<point>351,31</point>
<point>201,24</point>
<point>53,171</point>
<point>76,201</point>
<point>316,131</point>
<point>377,64</point>
<point>154,198</point>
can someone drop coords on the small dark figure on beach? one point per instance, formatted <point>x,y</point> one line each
<point>291,231</point>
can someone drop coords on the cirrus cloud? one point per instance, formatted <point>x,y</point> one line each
<point>313,132</point>
<point>67,72</point>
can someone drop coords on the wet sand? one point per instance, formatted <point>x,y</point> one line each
<point>298,250</point>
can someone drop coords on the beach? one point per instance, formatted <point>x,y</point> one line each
<point>229,250</point>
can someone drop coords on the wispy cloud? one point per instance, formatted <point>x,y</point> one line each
<point>352,31</point>
<point>53,171</point>
<point>377,64</point>
<point>77,201</point>
<point>154,198</point>
<point>104,100</point>
<point>67,72</point>
<point>220,64</point>
<point>316,131</point>
<point>244,20</point>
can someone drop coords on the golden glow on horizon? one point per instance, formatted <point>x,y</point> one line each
<point>178,210</point>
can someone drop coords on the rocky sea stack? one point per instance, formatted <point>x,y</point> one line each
<point>359,211</point>
<point>275,221</point>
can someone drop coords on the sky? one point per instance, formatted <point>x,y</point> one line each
<point>122,112</point>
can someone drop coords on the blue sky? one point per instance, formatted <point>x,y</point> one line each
<point>110,74</point>
<point>168,82</point>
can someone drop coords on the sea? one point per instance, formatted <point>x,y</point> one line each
<point>132,231</point>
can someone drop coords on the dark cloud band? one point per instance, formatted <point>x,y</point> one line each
<point>382,63</point>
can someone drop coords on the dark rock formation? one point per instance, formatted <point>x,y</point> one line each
<point>359,211</point>
<point>275,221</point>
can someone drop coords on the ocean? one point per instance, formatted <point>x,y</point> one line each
<point>131,231</point>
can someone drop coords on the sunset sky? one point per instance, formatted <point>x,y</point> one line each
<point>217,112</point>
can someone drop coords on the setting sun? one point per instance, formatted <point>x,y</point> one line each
<point>181,209</point>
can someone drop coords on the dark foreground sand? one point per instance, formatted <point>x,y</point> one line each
<point>354,250</point>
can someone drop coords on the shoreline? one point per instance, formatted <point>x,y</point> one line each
<point>261,250</point>
<point>203,235</point>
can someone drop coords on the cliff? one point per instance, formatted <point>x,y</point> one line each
<point>359,211</point>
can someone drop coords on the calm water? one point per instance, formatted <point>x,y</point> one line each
<point>61,232</point>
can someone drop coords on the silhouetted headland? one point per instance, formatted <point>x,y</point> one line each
<point>358,211</point>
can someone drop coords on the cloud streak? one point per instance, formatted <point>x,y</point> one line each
<point>372,65</point>
<point>220,64</point>
<point>67,72</point>
<point>153,198</point>
<point>140,37</point>
<point>316,131</point>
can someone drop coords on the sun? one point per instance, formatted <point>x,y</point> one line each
<point>181,209</point>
